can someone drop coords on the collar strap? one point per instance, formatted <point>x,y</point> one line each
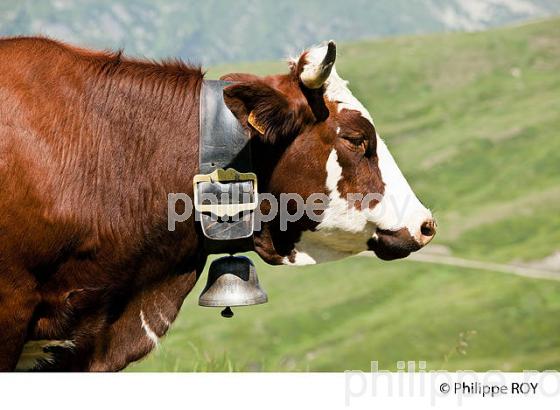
<point>224,168</point>
<point>224,142</point>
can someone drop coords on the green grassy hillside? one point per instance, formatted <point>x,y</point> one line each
<point>473,120</point>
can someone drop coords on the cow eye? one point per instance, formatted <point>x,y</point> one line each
<point>359,143</point>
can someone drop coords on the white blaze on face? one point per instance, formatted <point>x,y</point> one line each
<point>344,229</point>
<point>399,208</point>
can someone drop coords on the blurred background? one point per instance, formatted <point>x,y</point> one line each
<point>217,31</point>
<point>467,95</point>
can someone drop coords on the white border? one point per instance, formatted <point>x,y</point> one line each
<point>299,391</point>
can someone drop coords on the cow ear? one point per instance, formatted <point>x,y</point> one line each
<point>264,110</point>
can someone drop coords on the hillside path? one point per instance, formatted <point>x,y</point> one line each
<point>483,265</point>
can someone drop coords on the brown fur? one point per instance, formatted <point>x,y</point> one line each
<point>90,145</point>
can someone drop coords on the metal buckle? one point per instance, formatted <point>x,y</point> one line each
<point>226,201</point>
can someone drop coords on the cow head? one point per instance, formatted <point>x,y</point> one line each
<point>311,136</point>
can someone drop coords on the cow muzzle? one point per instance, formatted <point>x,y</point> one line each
<point>390,245</point>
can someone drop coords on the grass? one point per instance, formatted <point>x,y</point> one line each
<point>473,120</point>
<point>343,315</point>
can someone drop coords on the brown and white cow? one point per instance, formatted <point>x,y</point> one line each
<point>92,143</point>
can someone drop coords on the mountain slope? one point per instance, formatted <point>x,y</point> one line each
<point>218,30</point>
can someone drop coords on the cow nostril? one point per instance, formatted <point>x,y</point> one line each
<point>428,228</point>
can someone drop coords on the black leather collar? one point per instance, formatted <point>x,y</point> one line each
<point>223,142</point>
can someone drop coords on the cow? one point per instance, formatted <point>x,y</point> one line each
<point>92,143</point>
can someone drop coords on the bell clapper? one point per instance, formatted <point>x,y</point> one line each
<point>227,312</point>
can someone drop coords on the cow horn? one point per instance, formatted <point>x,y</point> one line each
<point>314,75</point>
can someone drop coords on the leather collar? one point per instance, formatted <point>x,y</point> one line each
<point>223,141</point>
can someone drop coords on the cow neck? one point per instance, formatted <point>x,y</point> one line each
<point>223,141</point>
